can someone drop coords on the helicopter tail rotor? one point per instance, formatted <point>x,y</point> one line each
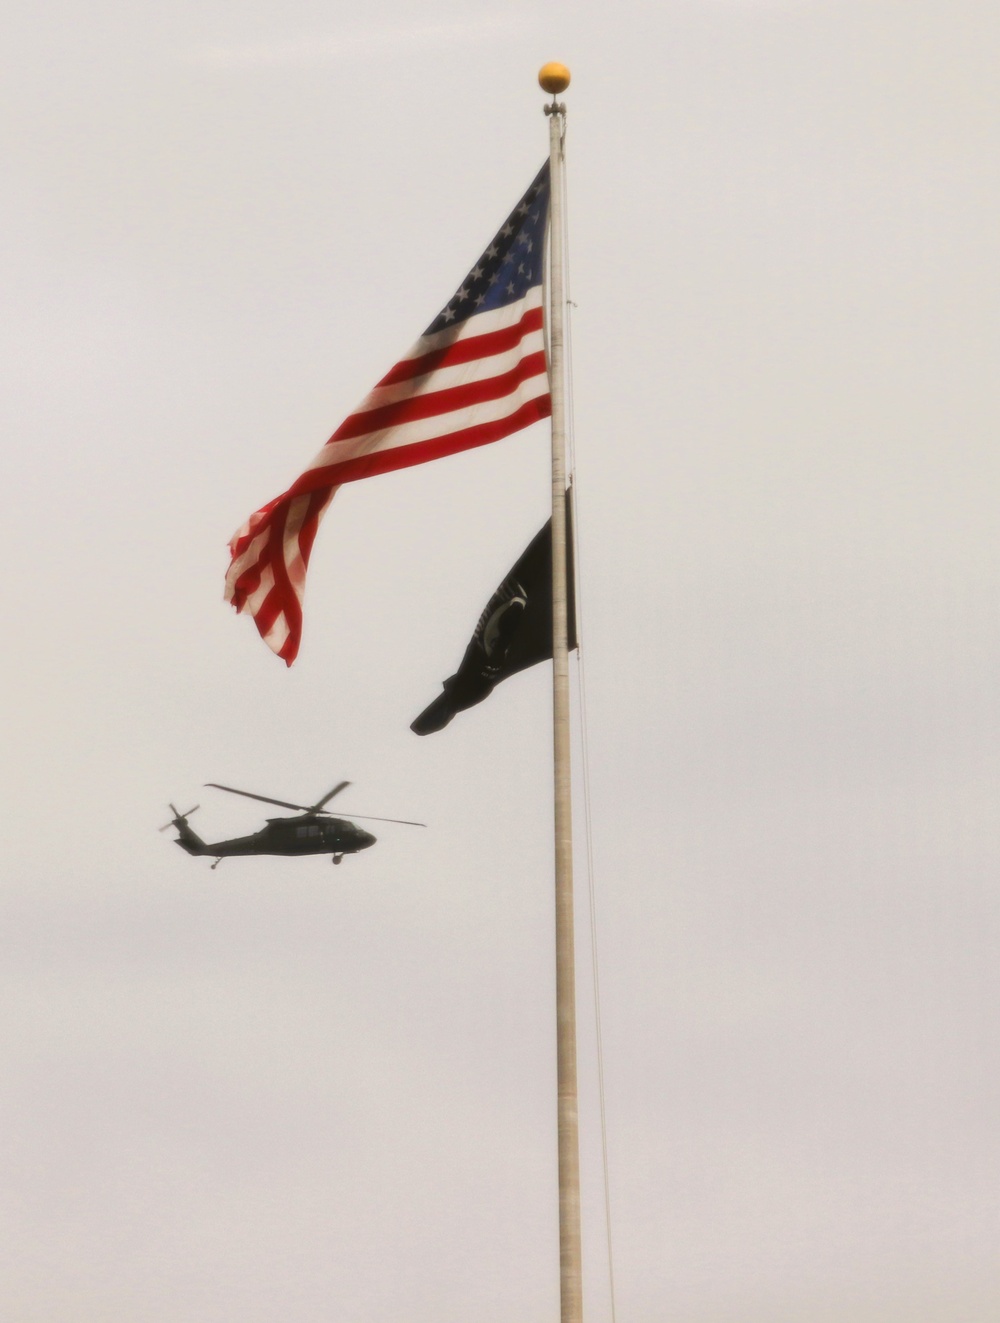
<point>186,838</point>
<point>178,818</point>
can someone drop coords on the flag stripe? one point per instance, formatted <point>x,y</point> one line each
<point>454,374</point>
<point>435,403</point>
<point>437,447</point>
<point>463,351</point>
<point>328,462</point>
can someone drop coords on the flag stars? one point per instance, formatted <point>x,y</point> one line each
<point>503,273</point>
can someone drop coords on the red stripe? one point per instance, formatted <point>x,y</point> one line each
<point>273,555</point>
<point>310,525</point>
<point>404,457</point>
<point>246,585</point>
<point>440,401</point>
<point>268,612</point>
<point>282,599</point>
<point>249,580</point>
<point>465,351</point>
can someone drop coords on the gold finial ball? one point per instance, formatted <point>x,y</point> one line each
<point>553,77</point>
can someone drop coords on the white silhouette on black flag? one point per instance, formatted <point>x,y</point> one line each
<point>514,631</point>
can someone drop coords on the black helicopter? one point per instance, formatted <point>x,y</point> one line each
<point>314,832</point>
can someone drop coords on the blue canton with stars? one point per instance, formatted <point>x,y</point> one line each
<point>511,264</point>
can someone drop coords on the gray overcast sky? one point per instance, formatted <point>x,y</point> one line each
<point>282,1091</point>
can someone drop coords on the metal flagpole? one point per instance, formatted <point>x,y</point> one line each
<point>554,78</point>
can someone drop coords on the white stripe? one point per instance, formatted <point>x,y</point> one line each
<point>461,374</point>
<point>246,560</point>
<point>256,599</point>
<point>278,633</point>
<point>294,564</point>
<point>423,429</point>
<point>480,323</point>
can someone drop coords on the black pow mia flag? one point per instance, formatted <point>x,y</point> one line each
<point>514,631</point>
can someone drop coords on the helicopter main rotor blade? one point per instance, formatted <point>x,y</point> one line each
<point>326,798</point>
<point>370,817</point>
<point>264,799</point>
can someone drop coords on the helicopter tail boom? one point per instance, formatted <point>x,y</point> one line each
<point>189,840</point>
<point>186,838</point>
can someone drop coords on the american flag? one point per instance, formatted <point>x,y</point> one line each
<point>477,374</point>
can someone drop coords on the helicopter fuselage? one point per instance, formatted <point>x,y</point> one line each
<point>311,834</point>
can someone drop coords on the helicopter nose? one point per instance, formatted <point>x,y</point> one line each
<point>365,838</point>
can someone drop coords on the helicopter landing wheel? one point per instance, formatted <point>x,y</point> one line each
<point>336,859</point>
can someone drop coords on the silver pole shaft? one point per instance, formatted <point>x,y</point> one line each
<point>570,1255</point>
